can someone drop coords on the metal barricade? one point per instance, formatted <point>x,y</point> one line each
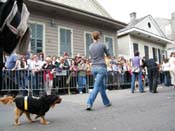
<point>66,81</point>
<point>90,81</point>
<point>124,80</point>
<point>113,80</point>
<point>28,82</point>
<point>59,84</point>
<point>24,82</point>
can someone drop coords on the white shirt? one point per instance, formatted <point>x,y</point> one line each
<point>172,63</point>
<point>36,65</point>
<point>166,66</point>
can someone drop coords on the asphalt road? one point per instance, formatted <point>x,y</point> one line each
<point>129,112</point>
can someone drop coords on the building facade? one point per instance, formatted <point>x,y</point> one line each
<point>66,26</point>
<point>168,27</point>
<point>143,35</point>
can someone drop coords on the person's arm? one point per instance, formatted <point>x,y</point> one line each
<point>131,63</point>
<point>107,52</point>
<point>25,65</point>
<point>144,63</point>
<point>141,63</point>
<point>44,66</point>
<point>65,65</point>
<point>16,65</point>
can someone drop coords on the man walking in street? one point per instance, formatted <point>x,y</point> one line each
<point>153,73</point>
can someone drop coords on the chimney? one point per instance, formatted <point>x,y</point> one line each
<point>172,26</point>
<point>132,16</point>
<point>173,16</point>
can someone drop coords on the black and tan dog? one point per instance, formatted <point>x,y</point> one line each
<point>30,105</point>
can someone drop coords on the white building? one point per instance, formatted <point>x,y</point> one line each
<point>143,35</point>
<point>168,27</point>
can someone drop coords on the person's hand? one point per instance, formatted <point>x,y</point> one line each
<point>13,69</point>
<point>45,66</point>
<point>53,71</point>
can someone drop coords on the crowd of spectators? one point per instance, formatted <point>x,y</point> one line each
<point>79,66</point>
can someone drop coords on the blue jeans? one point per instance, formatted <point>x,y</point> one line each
<point>139,76</point>
<point>23,82</point>
<point>99,74</point>
<point>167,78</point>
<point>81,83</point>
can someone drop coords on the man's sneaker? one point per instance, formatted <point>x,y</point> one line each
<point>108,105</point>
<point>89,108</point>
<point>142,92</point>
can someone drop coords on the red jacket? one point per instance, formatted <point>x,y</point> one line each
<point>49,73</point>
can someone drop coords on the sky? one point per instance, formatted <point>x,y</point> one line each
<point>120,9</point>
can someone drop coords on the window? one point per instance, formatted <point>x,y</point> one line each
<point>160,56</point>
<point>88,41</point>
<point>65,41</point>
<point>36,38</point>
<point>109,44</point>
<point>165,54</point>
<point>146,49</point>
<point>155,54</point>
<point>135,47</point>
<point>149,24</point>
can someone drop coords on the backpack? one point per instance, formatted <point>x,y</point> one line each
<point>150,63</point>
<point>14,28</point>
<point>6,11</point>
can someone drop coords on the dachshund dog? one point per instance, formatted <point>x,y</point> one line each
<point>30,105</point>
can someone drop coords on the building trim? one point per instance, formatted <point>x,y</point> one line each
<point>111,22</point>
<point>130,31</point>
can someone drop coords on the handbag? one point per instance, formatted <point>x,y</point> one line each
<point>135,69</point>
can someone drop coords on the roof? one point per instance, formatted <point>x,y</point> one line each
<point>87,5</point>
<point>57,10</point>
<point>134,29</point>
<point>132,24</point>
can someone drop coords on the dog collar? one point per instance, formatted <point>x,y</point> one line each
<point>25,103</point>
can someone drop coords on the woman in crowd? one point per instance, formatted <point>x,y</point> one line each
<point>49,69</point>
<point>21,74</point>
<point>172,68</point>
<point>97,52</point>
<point>55,61</point>
<point>24,75</point>
<point>72,78</point>
<point>166,72</point>
<point>136,63</point>
<point>82,67</point>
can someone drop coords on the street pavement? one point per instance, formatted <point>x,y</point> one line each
<point>129,112</point>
